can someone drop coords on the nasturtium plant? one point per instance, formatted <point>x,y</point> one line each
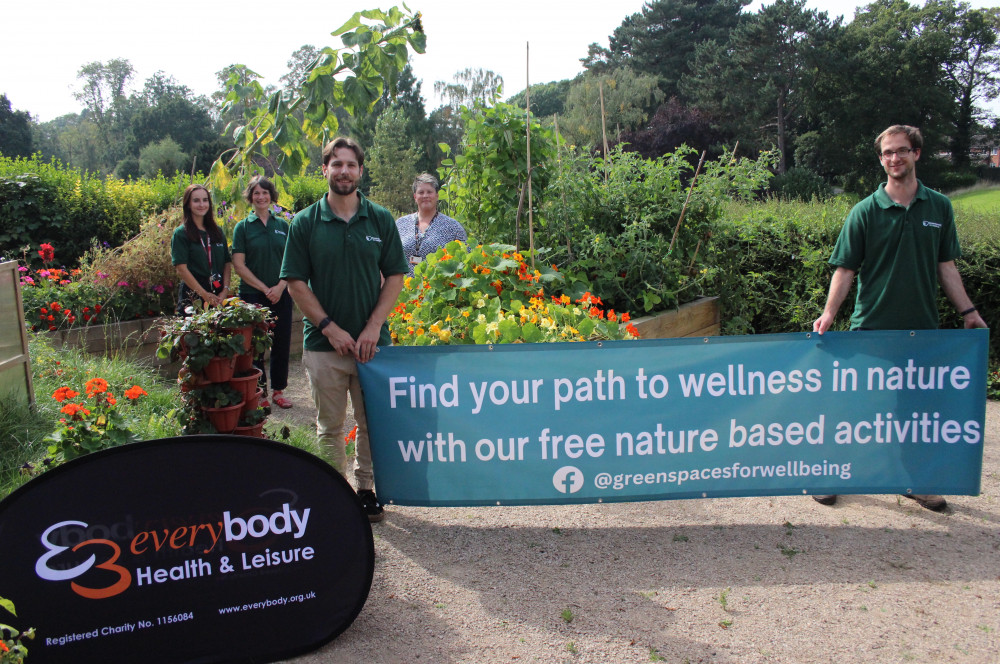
<point>488,294</point>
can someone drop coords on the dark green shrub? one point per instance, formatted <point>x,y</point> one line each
<point>47,202</point>
<point>800,184</point>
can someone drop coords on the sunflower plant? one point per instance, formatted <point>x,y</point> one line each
<point>490,294</point>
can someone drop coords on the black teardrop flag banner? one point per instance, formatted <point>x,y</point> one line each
<point>194,549</point>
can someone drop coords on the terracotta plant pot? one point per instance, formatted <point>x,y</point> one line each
<point>247,333</point>
<point>244,362</point>
<point>254,430</point>
<point>224,419</point>
<point>219,370</point>
<point>246,384</point>
<point>252,402</point>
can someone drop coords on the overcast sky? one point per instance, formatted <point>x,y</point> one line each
<point>45,42</point>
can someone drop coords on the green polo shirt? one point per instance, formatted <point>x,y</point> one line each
<point>185,252</point>
<point>896,251</point>
<point>263,248</point>
<point>343,263</point>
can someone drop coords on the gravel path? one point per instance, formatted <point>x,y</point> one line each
<point>738,580</point>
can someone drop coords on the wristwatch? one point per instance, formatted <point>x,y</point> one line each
<point>323,323</point>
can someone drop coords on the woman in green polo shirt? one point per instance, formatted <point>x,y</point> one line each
<point>199,252</point>
<point>258,248</point>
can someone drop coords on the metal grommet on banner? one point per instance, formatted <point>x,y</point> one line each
<point>705,339</point>
<point>600,500</point>
<point>809,335</point>
<point>912,333</point>
<point>600,344</point>
<point>498,503</point>
<point>704,495</point>
<point>490,347</point>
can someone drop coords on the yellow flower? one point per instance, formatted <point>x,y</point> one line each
<point>444,335</point>
<point>481,318</point>
<point>434,328</point>
<point>466,313</point>
<point>480,303</point>
<point>493,327</point>
<point>420,331</point>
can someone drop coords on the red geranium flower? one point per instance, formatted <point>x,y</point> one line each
<point>47,252</point>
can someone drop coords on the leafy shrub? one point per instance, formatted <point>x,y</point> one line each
<point>801,184</point>
<point>768,265</point>
<point>306,190</point>
<point>637,231</point>
<point>164,156</point>
<point>47,202</point>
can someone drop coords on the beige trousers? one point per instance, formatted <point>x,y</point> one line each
<point>331,378</point>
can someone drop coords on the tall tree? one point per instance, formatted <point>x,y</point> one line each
<point>103,93</point>
<point>973,67</point>
<point>661,39</point>
<point>392,162</point>
<point>470,86</point>
<point>629,99</point>
<point>883,68</point>
<point>756,82</point>
<point>547,99</point>
<point>15,130</point>
<point>299,65</point>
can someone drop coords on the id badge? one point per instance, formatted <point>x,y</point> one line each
<point>415,260</point>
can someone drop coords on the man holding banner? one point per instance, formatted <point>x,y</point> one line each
<point>901,242</point>
<point>338,251</point>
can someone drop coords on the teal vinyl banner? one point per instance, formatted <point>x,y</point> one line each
<point>523,424</point>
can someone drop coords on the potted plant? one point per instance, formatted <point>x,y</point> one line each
<point>221,404</point>
<point>251,423</point>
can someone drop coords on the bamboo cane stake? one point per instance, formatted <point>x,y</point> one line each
<point>686,201</point>
<point>562,190</point>
<point>604,132</point>
<point>527,108</point>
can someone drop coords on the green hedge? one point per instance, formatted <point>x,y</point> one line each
<point>70,209</point>
<point>770,270</point>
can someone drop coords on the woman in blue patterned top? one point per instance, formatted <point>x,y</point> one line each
<point>426,230</point>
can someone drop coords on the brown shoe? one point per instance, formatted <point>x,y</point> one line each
<point>928,501</point>
<point>826,500</point>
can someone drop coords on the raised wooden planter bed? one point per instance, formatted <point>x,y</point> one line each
<point>694,319</point>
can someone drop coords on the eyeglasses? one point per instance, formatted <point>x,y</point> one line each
<point>901,152</point>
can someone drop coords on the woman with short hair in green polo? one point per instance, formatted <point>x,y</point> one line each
<point>199,252</point>
<point>258,249</point>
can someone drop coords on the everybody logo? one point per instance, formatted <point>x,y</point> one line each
<point>106,554</point>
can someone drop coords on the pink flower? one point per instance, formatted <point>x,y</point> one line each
<point>27,280</point>
<point>123,283</point>
<point>159,289</point>
<point>142,284</point>
<point>44,273</point>
<point>102,275</point>
<point>21,268</point>
<point>65,282</point>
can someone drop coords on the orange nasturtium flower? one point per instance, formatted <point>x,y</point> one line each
<point>96,386</point>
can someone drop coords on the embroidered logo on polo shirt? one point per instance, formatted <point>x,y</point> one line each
<point>932,224</point>
<point>375,238</point>
<point>279,232</point>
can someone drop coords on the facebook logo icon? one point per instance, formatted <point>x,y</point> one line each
<point>568,479</point>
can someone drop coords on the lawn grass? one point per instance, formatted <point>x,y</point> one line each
<point>980,199</point>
